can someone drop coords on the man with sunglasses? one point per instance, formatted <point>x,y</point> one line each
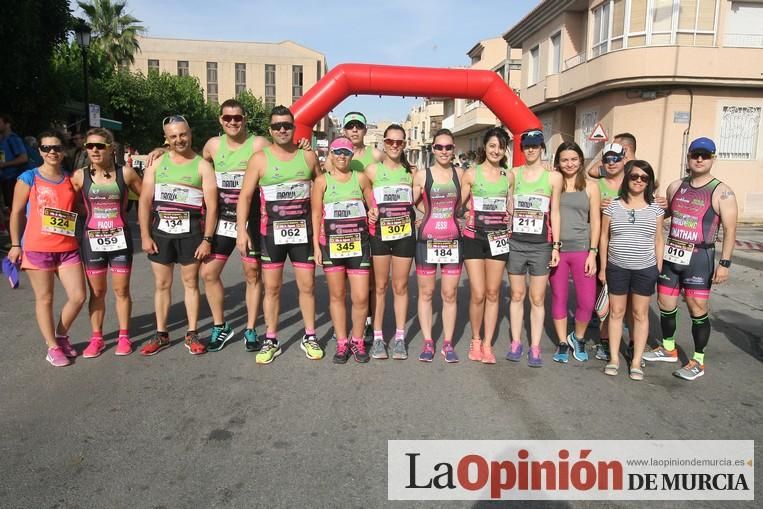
<point>627,142</point>
<point>284,173</point>
<point>176,189</point>
<point>699,203</point>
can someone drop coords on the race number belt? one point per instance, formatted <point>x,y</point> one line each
<point>174,223</point>
<point>528,221</point>
<point>499,242</point>
<point>107,240</point>
<point>226,228</point>
<point>442,251</point>
<point>59,221</point>
<point>678,252</point>
<point>345,246</point>
<point>290,232</point>
<point>393,228</point>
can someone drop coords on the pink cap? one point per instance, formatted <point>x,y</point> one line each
<point>341,143</point>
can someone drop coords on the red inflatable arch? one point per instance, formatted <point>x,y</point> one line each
<point>348,79</point>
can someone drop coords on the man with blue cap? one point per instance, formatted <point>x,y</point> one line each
<point>697,205</point>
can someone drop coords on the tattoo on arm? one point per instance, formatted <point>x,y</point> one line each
<point>727,194</point>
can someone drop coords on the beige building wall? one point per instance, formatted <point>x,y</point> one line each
<point>699,77</point>
<point>226,54</point>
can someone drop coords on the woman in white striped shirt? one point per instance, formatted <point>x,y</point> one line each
<point>631,259</point>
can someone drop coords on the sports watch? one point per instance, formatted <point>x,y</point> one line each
<point>725,263</point>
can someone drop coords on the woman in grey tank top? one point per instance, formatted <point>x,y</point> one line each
<point>581,221</point>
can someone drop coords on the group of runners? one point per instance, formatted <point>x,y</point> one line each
<point>366,217</point>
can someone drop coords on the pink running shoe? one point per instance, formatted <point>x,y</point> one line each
<point>94,348</point>
<point>66,346</point>
<point>488,357</point>
<point>475,350</point>
<point>124,346</point>
<point>57,357</point>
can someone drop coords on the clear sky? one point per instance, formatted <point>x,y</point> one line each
<point>430,33</point>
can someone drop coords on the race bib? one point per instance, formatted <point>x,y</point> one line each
<point>226,228</point>
<point>107,240</point>
<point>345,246</point>
<point>393,194</point>
<point>678,252</point>
<point>174,223</point>
<point>499,242</point>
<point>290,232</point>
<point>286,192</point>
<point>181,194</point>
<point>58,221</point>
<point>527,221</point>
<point>496,204</point>
<point>229,179</point>
<point>393,228</point>
<point>442,251</point>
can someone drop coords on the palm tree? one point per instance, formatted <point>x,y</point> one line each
<point>114,30</point>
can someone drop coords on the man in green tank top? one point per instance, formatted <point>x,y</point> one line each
<point>176,187</point>
<point>284,173</point>
<point>355,128</point>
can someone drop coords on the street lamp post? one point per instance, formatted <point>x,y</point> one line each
<point>82,33</point>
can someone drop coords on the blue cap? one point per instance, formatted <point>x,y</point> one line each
<point>534,137</point>
<point>705,144</point>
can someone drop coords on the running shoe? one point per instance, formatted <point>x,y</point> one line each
<point>358,348</point>
<point>398,350</point>
<point>660,354</point>
<point>488,357</point>
<point>57,357</point>
<point>578,347</point>
<point>251,342</point>
<point>475,350</point>
<point>602,351</point>
<point>691,371</point>
<point>268,352</point>
<point>379,349</point>
<point>427,354</point>
<point>342,352</point>
<point>155,344</point>
<point>194,344</point>
<point>124,346</point>
<point>515,351</point>
<point>448,352</point>
<point>310,346</point>
<point>533,357</point>
<point>66,346</point>
<point>220,336</point>
<point>562,353</point>
<point>94,348</point>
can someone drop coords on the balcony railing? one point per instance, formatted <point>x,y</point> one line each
<point>576,60</point>
<point>744,40</point>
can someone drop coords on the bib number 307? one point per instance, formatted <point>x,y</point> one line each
<point>290,232</point>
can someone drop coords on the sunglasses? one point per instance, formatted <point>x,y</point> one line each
<point>345,152</point>
<point>285,126</point>
<point>172,119</point>
<point>445,148</point>
<point>611,159</point>
<point>702,154</point>
<point>531,134</point>
<point>51,148</point>
<point>232,118</point>
<point>631,216</point>
<point>393,143</point>
<point>354,124</point>
<point>97,146</point>
<point>633,177</point>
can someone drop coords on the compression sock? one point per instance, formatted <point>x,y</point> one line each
<point>700,330</point>
<point>669,325</point>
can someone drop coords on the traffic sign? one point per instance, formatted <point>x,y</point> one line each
<point>598,133</point>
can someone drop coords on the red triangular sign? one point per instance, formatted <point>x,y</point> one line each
<point>598,133</point>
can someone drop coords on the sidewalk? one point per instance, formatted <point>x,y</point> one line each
<point>749,247</point>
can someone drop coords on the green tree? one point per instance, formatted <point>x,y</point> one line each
<point>257,117</point>
<point>114,30</point>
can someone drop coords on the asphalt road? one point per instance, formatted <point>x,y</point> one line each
<point>217,430</point>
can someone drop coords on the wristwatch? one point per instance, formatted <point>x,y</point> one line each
<point>208,239</point>
<point>556,245</point>
<point>725,263</point>
<point>593,250</point>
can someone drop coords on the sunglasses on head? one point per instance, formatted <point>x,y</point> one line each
<point>97,146</point>
<point>701,153</point>
<point>51,148</point>
<point>232,118</point>
<point>446,148</point>
<point>354,124</point>
<point>639,176</point>
<point>393,143</point>
<point>611,159</point>
<point>345,152</point>
<point>285,126</point>
<point>173,119</point>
